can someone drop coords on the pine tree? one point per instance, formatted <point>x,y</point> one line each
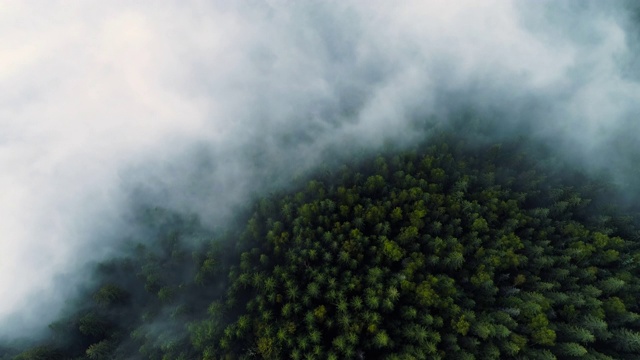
<point>571,349</point>
<point>626,340</point>
<point>381,339</point>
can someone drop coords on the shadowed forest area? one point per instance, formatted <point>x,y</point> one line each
<point>451,249</point>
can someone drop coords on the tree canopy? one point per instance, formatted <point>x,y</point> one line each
<point>445,251</point>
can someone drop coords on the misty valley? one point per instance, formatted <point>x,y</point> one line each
<point>449,249</point>
<point>277,179</point>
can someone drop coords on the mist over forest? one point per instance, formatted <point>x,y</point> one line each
<point>162,162</point>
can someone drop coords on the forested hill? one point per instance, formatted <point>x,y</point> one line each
<point>447,251</point>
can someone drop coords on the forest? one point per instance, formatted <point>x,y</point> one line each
<point>449,249</point>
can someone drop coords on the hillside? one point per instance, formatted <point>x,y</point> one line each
<point>444,251</point>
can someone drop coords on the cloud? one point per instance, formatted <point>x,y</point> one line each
<point>199,104</point>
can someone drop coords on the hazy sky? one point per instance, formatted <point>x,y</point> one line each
<point>204,102</point>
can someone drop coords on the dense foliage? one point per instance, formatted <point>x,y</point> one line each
<point>448,251</point>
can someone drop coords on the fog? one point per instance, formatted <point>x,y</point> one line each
<point>199,105</point>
